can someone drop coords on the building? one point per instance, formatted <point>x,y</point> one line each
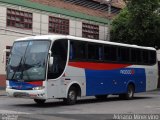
<point>82,18</point>
<point>158,55</point>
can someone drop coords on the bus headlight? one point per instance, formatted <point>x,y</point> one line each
<point>38,88</point>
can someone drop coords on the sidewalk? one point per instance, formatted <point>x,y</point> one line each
<point>2,91</point>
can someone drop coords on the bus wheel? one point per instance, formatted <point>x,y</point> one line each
<point>39,101</point>
<point>101,97</point>
<point>130,93</point>
<point>71,97</point>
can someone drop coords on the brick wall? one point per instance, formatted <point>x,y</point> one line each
<point>74,7</point>
<point>2,81</point>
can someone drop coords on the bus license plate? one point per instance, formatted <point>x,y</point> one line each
<point>20,94</point>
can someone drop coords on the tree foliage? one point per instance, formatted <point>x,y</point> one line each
<point>138,23</point>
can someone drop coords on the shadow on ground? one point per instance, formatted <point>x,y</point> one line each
<point>79,102</point>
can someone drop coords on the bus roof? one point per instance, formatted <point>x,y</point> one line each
<point>55,37</point>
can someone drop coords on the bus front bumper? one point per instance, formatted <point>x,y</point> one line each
<point>32,94</point>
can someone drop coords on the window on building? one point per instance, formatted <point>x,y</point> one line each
<point>58,25</point>
<point>8,49</point>
<point>19,19</point>
<point>90,31</point>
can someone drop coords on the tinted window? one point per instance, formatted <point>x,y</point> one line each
<point>59,54</point>
<point>88,51</point>
<point>123,54</point>
<point>110,53</point>
<point>77,50</point>
<point>133,55</point>
<point>145,55</point>
<point>152,57</point>
<point>94,52</point>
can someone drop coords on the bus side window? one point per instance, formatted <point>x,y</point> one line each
<point>152,57</point>
<point>59,53</point>
<point>71,54</point>
<point>93,52</point>
<point>133,56</point>
<point>145,55</point>
<point>124,53</point>
<point>110,53</point>
<point>77,50</point>
<point>80,50</point>
<point>113,53</point>
<point>100,52</point>
<point>139,56</point>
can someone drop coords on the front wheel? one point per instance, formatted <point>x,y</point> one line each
<point>71,97</point>
<point>39,101</point>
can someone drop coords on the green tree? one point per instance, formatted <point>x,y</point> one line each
<point>138,23</point>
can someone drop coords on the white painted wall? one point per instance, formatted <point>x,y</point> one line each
<point>158,54</point>
<point>78,29</point>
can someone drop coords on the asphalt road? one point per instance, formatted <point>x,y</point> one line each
<point>87,108</point>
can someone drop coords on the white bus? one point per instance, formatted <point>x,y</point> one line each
<point>67,67</point>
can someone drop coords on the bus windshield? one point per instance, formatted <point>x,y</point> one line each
<point>28,60</point>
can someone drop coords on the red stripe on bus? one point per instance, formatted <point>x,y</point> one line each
<point>38,83</point>
<point>98,66</point>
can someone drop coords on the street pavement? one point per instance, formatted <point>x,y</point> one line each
<point>2,92</point>
<point>87,108</point>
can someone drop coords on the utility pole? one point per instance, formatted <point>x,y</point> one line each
<point>109,3</point>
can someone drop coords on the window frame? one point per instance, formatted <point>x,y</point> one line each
<point>19,19</point>
<point>58,25</point>
<point>90,31</point>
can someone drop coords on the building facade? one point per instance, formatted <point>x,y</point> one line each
<point>158,55</point>
<point>21,18</point>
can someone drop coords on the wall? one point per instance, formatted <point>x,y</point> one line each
<point>158,55</point>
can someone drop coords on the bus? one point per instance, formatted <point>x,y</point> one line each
<point>66,67</point>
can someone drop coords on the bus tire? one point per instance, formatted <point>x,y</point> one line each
<point>130,93</point>
<point>39,101</point>
<point>102,97</point>
<point>71,97</point>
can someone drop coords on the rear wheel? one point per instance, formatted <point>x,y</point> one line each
<point>130,93</point>
<point>71,97</point>
<point>39,101</point>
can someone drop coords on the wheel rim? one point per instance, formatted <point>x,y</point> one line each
<point>72,95</point>
<point>130,92</point>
